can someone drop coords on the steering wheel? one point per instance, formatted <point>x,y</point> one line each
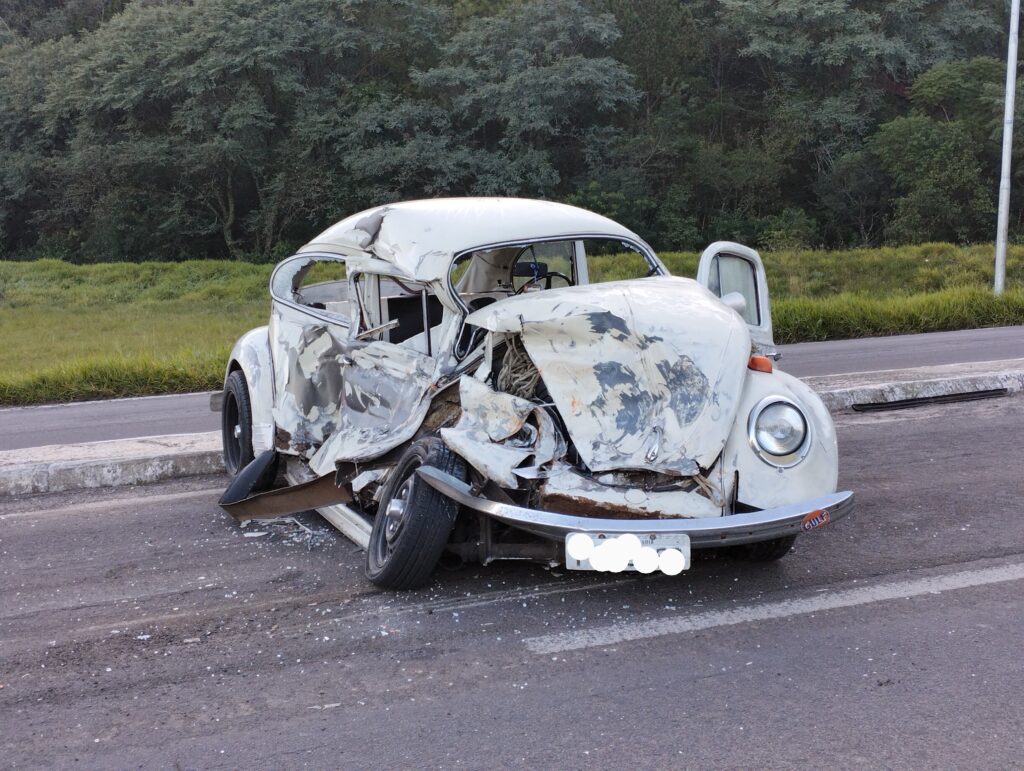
<point>547,276</point>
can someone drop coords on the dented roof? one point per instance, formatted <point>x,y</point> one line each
<point>420,239</point>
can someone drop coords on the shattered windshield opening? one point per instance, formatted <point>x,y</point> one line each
<point>484,276</point>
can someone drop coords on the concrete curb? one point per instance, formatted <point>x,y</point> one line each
<point>842,392</point>
<point>60,468</point>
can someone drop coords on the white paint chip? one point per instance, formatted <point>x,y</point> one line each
<point>561,642</point>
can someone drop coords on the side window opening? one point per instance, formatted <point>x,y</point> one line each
<point>408,314</point>
<point>415,309</point>
<point>318,283</point>
<point>484,273</point>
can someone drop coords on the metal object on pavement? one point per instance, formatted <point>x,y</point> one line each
<point>246,497</point>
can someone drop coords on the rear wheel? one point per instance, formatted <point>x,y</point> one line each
<point>236,423</point>
<point>414,520</point>
<point>767,551</point>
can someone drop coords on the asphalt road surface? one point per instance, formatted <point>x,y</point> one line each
<point>190,413</point>
<point>143,628</point>
<point>839,357</point>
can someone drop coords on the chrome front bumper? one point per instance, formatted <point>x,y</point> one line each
<point>749,527</point>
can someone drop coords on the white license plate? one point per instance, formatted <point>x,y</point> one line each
<point>658,542</point>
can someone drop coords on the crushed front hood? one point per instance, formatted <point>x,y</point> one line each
<point>646,373</point>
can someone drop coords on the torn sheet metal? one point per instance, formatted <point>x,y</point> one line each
<point>307,382</point>
<point>339,399</point>
<point>647,373</point>
<point>314,494</point>
<point>367,478</point>
<point>498,433</point>
<point>569,492</point>
<point>385,395</point>
<point>499,415</point>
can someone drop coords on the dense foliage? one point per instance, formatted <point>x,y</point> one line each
<point>162,129</point>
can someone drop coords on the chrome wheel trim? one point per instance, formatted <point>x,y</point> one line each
<point>394,514</point>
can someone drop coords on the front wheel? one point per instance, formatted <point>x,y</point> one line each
<point>236,423</point>
<point>414,520</point>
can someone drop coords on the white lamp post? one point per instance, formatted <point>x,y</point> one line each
<point>1004,180</point>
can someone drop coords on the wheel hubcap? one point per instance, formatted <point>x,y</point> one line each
<point>394,514</point>
<point>238,431</point>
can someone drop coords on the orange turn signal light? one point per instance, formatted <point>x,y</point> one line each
<point>760,364</point>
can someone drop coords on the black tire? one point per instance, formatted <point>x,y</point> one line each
<point>405,546</point>
<point>767,551</point>
<point>236,423</point>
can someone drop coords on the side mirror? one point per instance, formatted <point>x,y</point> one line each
<point>736,301</point>
<point>725,268</point>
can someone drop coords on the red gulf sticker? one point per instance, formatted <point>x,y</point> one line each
<point>814,520</point>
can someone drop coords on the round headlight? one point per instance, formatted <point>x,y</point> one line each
<point>780,429</point>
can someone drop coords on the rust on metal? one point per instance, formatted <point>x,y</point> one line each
<point>586,507</point>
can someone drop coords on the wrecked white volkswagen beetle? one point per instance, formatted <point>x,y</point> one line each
<point>493,378</point>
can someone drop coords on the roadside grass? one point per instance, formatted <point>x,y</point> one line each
<point>841,316</point>
<point>55,354</point>
<point>122,329</point>
<point>880,272</point>
<point>129,329</point>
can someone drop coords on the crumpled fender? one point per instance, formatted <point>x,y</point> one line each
<point>495,437</point>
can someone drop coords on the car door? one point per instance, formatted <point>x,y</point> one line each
<point>728,268</point>
<point>388,369</point>
<point>309,331</point>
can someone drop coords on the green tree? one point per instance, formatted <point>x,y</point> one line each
<point>164,129</point>
<point>53,19</point>
<point>852,194</point>
<point>942,190</point>
<point>25,145</point>
<point>845,66</point>
<point>943,158</point>
<point>192,123</point>
<point>524,91</point>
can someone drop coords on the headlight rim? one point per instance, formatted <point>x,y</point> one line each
<point>779,461</point>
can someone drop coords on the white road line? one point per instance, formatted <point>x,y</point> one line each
<point>617,633</point>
